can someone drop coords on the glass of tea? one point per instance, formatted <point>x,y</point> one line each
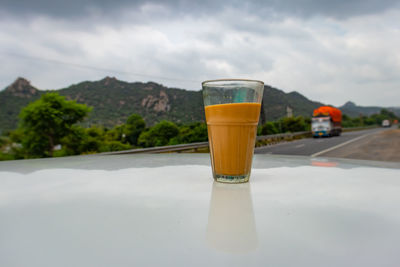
<point>232,109</point>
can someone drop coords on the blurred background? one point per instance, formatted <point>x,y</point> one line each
<point>82,77</point>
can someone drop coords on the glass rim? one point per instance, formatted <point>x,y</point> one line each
<point>232,80</point>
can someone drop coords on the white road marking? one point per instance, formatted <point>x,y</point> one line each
<point>339,145</point>
<point>301,145</point>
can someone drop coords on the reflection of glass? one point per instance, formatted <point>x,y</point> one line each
<point>232,109</point>
<point>231,226</point>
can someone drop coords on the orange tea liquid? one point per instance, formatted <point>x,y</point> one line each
<point>232,131</point>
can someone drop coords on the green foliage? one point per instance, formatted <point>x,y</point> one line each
<point>3,141</point>
<point>12,100</point>
<point>293,124</point>
<point>52,120</point>
<point>17,135</point>
<point>36,146</point>
<point>15,140</point>
<point>91,140</point>
<point>374,119</point>
<point>158,135</point>
<point>116,133</point>
<point>127,133</point>
<point>5,145</point>
<point>298,124</point>
<point>73,143</point>
<point>348,122</point>
<point>388,114</point>
<point>114,101</point>
<point>77,140</point>
<point>269,128</point>
<point>133,128</point>
<point>114,146</point>
<point>6,156</point>
<point>47,121</point>
<point>191,133</point>
<point>284,125</point>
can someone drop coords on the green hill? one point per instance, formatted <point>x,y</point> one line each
<point>276,102</point>
<point>114,100</point>
<point>12,99</point>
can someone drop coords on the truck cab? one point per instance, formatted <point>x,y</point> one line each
<point>386,123</point>
<point>321,126</point>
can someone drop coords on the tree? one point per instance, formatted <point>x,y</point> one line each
<point>72,143</point>
<point>90,140</point>
<point>268,128</point>
<point>134,126</point>
<point>194,132</point>
<point>388,114</point>
<point>158,135</point>
<point>114,146</point>
<point>93,140</point>
<point>46,121</point>
<point>293,124</point>
<point>116,134</point>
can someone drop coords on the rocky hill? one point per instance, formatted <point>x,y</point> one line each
<point>12,99</point>
<point>114,100</point>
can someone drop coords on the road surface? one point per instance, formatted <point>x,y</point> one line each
<point>382,146</point>
<point>373,144</point>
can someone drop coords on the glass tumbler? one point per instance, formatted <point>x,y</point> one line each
<point>232,109</point>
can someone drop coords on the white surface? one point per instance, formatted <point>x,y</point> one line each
<point>119,211</point>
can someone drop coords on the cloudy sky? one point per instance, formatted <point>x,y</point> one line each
<point>330,51</point>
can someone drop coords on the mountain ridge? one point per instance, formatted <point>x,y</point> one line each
<point>114,100</point>
<point>351,109</point>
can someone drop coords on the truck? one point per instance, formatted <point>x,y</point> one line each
<point>326,121</point>
<point>386,123</point>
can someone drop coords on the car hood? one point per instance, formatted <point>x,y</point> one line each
<point>165,209</point>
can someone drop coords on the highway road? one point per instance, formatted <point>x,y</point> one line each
<point>318,146</point>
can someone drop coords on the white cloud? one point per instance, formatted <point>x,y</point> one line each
<point>326,59</point>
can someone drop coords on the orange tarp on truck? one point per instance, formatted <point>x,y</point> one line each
<point>334,113</point>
